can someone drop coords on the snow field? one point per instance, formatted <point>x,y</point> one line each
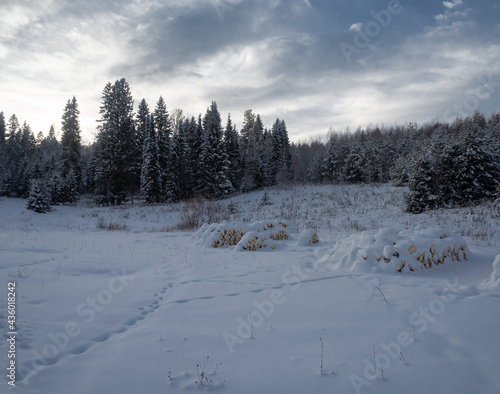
<point>137,310</point>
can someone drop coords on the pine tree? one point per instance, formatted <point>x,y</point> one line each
<point>353,164</point>
<point>214,163</point>
<point>256,172</point>
<point>71,149</point>
<point>163,127</point>
<point>150,174</point>
<point>265,159</point>
<point>192,137</point>
<point>420,197</point>
<point>115,162</point>
<point>332,167</point>
<point>24,171</point>
<point>141,124</point>
<point>257,167</point>
<point>142,119</point>
<point>318,155</point>
<point>175,189</point>
<point>247,151</point>
<point>477,173</point>
<point>233,151</point>
<point>282,157</point>
<point>38,199</point>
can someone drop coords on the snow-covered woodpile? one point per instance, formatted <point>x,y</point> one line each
<point>254,236</point>
<point>396,250</point>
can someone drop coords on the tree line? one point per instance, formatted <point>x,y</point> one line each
<point>167,157</point>
<point>442,164</point>
<point>162,158</point>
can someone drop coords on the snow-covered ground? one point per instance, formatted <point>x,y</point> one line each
<point>150,309</point>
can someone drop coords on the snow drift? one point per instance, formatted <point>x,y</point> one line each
<point>494,281</point>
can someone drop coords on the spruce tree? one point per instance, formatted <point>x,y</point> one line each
<point>353,164</point>
<point>27,151</point>
<point>142,119</point>
<point>150,173</point>
<point>214,162</point>
<point>115,164</point>
<point>38,199</point>
<point>174,188</point>
<point>71,149</point>
<point>163,127</point>
<point>233,151</point>
<point>421,197</point>
<point>259,171</point>
<point>332,167</point>
<point>282,157</point>
<point>193,134</point>
<point>247,151</point>
<point>265,149</point>
<point>141,124</point>
<point>476,171</point>
<point>256,172</point>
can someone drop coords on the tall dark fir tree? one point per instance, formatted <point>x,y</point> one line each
<point>115,172</point>
<point>231,141</point>
<point>282,157</point>
<point>163,127</point>
<point>150,172</point>
<point>214,162</point>
<point>71,170</point>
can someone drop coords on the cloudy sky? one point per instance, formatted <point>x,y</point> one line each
<point>315,63</point>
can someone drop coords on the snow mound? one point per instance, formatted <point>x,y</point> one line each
<point>494,281</point>
<point>270,234</point>
<point>397,250</point>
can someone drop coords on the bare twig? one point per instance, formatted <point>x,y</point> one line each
<point>377,288</point>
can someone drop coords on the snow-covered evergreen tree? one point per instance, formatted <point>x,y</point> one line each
<point>282,157</point>
<point>233,151</point>
<point>353,164</point>
<point>142,120</point>
<point>214,162</point>
<point>141,124</point>
<point>150,173</point>
<point>24,170</point>
<point>257,172</point>
<point>115,162</point>
<point>421,196</point>
<point>477,173</point>
<point>38,199</point>
<point>175,188</point>
<point>163,127</point>
<point>332,167</point>
<point>71,149</point>
<point>192,132</point>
